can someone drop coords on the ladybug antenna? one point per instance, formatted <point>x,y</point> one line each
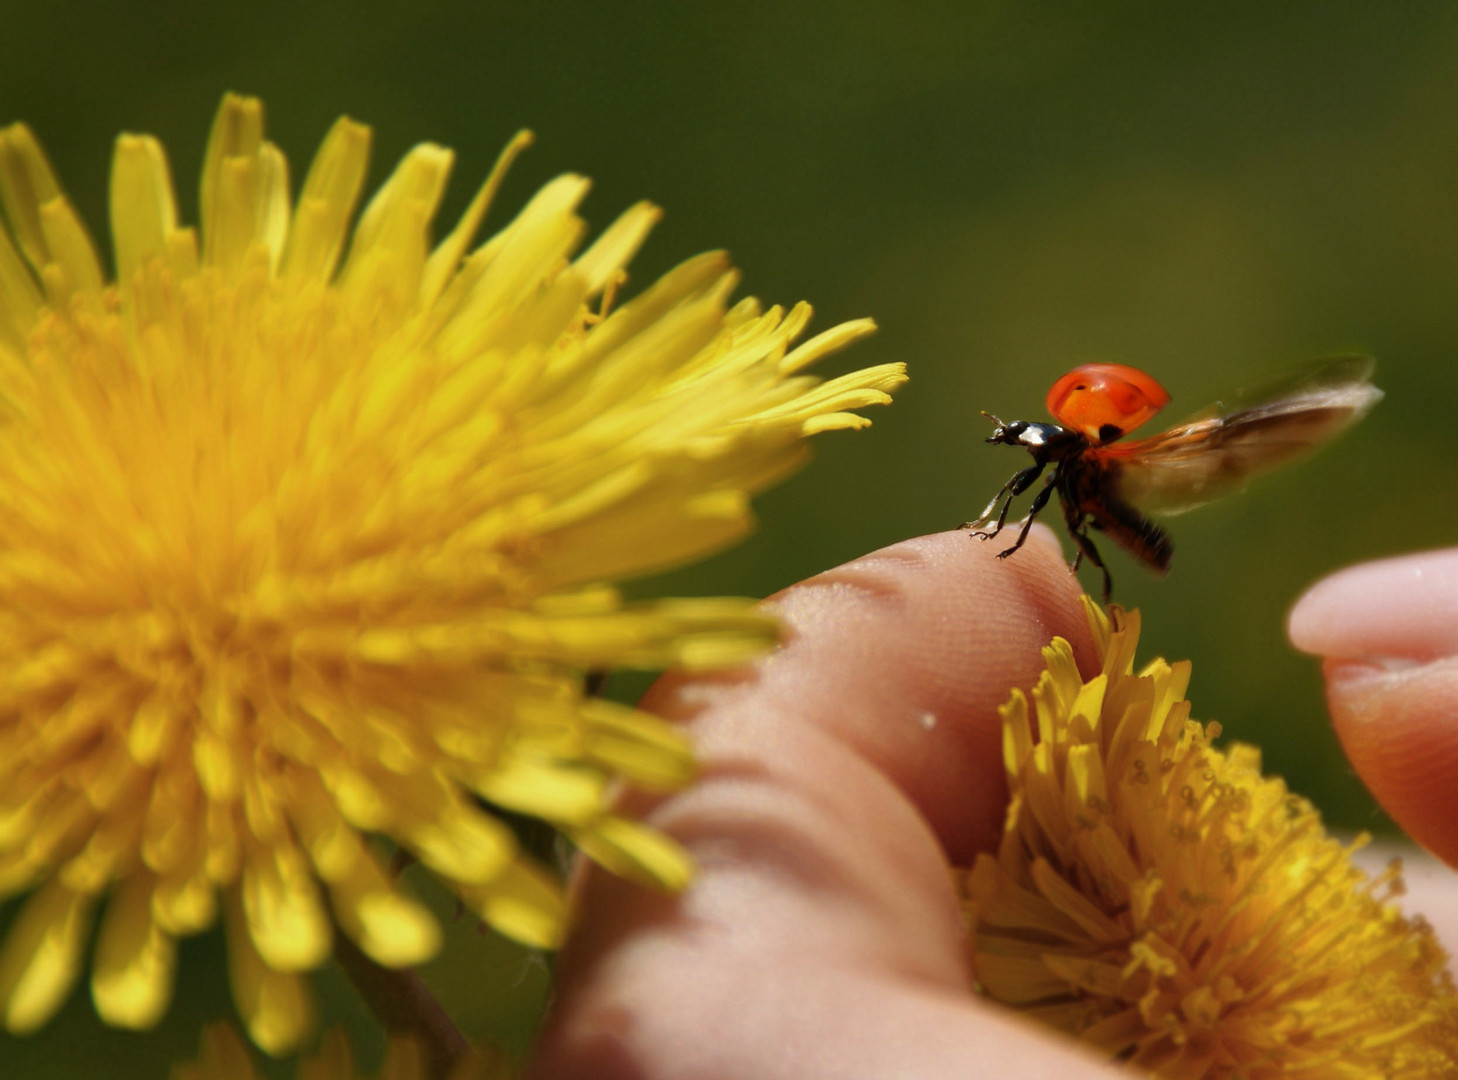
<point>996,436</point>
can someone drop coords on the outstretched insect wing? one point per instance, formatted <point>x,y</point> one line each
<point>1212,455</point>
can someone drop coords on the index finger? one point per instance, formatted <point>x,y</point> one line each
<point>1389,633</point>
<point>903,657</point>
<point>838,776</point>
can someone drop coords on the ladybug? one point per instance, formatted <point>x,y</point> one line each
<point>1109,485</point>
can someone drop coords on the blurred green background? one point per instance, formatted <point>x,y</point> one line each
<point>1212,192</point>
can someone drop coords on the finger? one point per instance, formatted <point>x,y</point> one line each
<point>903,657</point>
<point>836,776</point>
<point>1389,632</point>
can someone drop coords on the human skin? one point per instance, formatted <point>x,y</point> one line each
<point>1388,631</point>
<point>840,776</point>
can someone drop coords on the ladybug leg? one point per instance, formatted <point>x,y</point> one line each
<point>1086,547</point>
<point>1039,501</point>
<point>1078,522</point>
<point>1021,481</point>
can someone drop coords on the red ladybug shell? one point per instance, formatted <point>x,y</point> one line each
<point>1105,401</point>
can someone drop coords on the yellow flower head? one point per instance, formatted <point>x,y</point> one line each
<point>1172,907</point>
<point>303,536</point>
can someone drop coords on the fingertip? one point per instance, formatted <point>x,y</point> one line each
<point>1404,607</point>
<point>962,595</point>
<point>1398,723</point>
<point>1389,632</point>
<point>905,655</point>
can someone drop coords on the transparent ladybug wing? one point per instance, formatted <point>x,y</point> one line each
<point>1213,455</point>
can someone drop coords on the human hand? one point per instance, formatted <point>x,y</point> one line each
<point>822,935</point>
<point>1388,631</point>
<point>840,775</point>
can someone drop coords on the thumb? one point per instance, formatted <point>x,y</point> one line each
<point>1389,633</point>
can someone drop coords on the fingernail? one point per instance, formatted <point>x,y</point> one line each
<point>1391,612</point>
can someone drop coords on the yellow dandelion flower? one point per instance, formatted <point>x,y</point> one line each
<point>1169,905</point>
<point>304,532</point>
<point>222,1056</point>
